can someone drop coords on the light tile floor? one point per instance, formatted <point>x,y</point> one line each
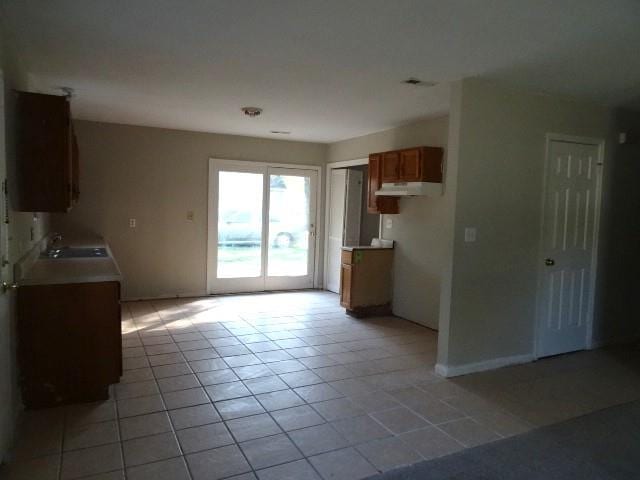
<point>286,386</point>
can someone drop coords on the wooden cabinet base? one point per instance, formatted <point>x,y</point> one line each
<point>370,311</point>
<point>69,342</point>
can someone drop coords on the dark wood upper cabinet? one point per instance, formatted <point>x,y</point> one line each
<point>47,158</point>
<point>390,166</point>
<point>410,166</point>
<point>375,203</point>
<point>420,164</point>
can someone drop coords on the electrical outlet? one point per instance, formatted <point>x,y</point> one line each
<point>470,234</point>
<point>190,215</point>
<point>132,223</point>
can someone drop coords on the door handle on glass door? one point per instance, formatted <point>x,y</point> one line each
<point>549,262</point>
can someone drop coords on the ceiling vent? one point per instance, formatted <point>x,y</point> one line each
<point>251,111</point>
<point>417,81</point>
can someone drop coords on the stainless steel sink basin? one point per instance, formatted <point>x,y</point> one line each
<point>75,252</point>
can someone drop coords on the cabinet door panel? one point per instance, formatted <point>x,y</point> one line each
<point>345,285</point>
<point>43,153</point>
<point>373,183</point>
<point>390,167</point>
<point>410,165</point>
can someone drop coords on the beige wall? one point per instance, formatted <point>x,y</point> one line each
<point>418,258</point>
<point>497,147</point>
<point>155,176</point>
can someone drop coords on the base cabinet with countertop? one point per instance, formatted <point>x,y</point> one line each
<point>366,280</point>
<point>69,330</point>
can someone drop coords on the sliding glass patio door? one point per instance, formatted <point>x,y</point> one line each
<point>261,227</point>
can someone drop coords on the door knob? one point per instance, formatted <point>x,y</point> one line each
<point>549,262</point>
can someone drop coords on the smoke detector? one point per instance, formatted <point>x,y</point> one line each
<point>251,111</point>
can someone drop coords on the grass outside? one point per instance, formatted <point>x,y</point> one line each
<point>244,261</point>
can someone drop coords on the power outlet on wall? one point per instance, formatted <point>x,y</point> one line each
<point>190,215</point>
<point>470,234</point>
<point>132,223</point>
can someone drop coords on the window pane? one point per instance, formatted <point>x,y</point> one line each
<point>239,224</point>
<point>288,225</point>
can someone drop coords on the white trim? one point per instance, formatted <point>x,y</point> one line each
<point>457,370</point>
<point>212,199</point>
<point>348,163</point>
<point>331,166</point>
<point>600,143</point>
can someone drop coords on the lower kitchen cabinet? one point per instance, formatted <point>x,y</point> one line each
<point>365,280</point>
<point>69,342</point>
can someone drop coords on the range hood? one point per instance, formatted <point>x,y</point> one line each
<point>410,189</point>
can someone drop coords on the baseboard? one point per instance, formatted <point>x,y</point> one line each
<point>166,296</point>
<point>457,370</point>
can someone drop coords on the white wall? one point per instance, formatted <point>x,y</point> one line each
<point>157,175</point>
<point>497,147</point>
<point>420,247</point>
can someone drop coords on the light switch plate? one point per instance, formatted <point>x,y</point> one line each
<point>388,223</point>
<point>190,215</point>
<point>470,234</point>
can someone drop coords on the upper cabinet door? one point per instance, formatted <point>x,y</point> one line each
<point>410,165</point>
<point>390,167</point>
<point>377,204</point>
<point>373,183</point>
<point>45,155</point>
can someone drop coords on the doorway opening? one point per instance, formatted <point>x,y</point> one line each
<point>262,227</point>
<point>348,222</point>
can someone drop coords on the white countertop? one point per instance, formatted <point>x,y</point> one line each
<point>365,247</point>
<point>34,270</point>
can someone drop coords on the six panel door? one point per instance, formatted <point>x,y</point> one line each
<point>568,237</point>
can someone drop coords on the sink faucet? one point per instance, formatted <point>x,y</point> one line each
<point>55,238</point>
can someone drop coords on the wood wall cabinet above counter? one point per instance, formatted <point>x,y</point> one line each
<point>419,164</point>
<point>46,162</point>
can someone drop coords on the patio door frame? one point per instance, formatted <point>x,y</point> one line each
<point>244,284</point>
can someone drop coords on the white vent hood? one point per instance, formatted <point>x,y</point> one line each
<point>410,189</point>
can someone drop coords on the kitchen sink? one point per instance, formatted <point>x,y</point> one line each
<point>75,252</point>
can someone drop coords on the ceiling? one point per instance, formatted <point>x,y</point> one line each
<point>324,70</point>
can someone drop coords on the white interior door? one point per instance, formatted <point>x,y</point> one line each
<point>337,191</point>
<point>261,227</point>
<point>568,236</point>
<point>353,208</point>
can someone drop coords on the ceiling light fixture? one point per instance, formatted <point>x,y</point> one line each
<point>251,111</point>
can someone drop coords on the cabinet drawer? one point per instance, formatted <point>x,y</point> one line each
<point>347,257</point>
